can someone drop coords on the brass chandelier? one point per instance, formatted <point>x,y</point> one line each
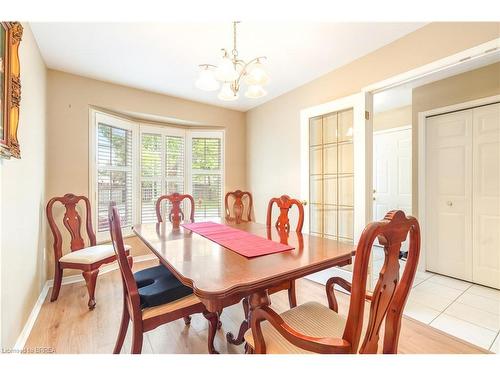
<point>231,72</point>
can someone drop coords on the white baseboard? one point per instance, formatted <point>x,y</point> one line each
<point>28,326</point>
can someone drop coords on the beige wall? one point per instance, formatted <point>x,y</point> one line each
<point>68,132</point>
<point>22,200</point>
<point>273,129</point>
<point>392,118</point>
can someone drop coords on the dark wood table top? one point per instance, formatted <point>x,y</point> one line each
<point>217,273</point>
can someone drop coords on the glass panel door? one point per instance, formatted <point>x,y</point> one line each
<point>331,176</point>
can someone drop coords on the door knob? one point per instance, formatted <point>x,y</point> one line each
<point>449,203</point>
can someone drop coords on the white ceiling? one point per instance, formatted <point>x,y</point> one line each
<point>164,57</point>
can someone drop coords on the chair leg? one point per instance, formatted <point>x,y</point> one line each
<point>187,320</point>
<point>137,338</point>
<point>123,328</point>
<point>213,320</point>
<point>91,279</point>
<point>292,297</point>
<point>58,274</point>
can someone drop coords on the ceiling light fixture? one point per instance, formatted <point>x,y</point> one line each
<point>232,71</point>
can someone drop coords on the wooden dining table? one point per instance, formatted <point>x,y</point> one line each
<point>221,277</point>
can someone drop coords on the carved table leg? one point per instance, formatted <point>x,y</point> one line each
<point>213,320</point>
<point>238,340</point>
<point>257,300</point>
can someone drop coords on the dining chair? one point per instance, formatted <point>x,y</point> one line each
<point>176,215</point>
<point>313,327</point>
<point>152,297</point>
<point>238,208</point>
<point>81,256</point>
<point>284,203</point>
<point>282,224</point>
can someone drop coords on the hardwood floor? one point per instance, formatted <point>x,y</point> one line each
<point>68,326</point>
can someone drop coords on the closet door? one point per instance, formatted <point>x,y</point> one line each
<point>449,194</point>
<point>486,195</point>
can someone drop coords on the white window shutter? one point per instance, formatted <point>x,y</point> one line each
<point>114,173</point>
<point>206,175</point>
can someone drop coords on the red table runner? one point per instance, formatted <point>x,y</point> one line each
<point>239,241</point>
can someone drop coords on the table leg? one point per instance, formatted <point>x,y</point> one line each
<point>256,301</point>
<point>243,327</point>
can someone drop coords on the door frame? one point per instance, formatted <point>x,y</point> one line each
<point>421,171</point>
<point>362,145</point>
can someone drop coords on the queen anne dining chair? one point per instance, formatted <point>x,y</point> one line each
<point>238,208</point>
<point>85,257</point>
<point>176,215</point>
<point>153,296</point>
<point>313,327</point>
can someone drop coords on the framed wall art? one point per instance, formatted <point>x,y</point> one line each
<point>10,95</point>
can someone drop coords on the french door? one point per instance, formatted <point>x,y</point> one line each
<point>331,192</point>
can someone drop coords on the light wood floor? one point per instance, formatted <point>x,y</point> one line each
<point>68,326</point>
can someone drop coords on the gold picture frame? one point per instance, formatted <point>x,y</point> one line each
<point>10,97</point>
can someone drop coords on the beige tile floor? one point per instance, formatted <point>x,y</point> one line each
<point>468,311</point>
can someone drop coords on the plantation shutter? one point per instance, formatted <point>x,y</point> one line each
<point>114,173</point>
<point>162,170</point>
<point>206,175</point>
<point>151,174</point>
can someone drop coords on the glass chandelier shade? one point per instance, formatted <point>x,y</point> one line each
<point>226,72</point>
<point>256,74</point>
<point>226,93</point>
<point>206,80</point>
<point>255,92</point>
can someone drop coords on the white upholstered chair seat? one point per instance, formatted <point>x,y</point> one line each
<point>89,255</point>
<point>311,319</point>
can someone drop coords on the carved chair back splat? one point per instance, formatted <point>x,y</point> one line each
<point>175,215</point>
<point>72,222</point>
<point>284,203</point>
<point>238,206</point>
<point>390,294</point>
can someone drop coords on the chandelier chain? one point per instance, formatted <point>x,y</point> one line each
<point>235,51</point>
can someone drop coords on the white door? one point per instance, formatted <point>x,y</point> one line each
<point>391,172</point>
<point>449,194</point>
<point>486,195</point>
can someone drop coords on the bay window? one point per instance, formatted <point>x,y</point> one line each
<point>133,164</point>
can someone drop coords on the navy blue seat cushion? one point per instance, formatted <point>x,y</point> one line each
<point>157,285</point>
<point>148,275</point>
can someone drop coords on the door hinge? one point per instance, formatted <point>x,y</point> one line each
<point>367,115</point>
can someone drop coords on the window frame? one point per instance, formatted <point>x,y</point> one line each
<point>138,128</point>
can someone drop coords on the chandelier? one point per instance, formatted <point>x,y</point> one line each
<point>231,73</point>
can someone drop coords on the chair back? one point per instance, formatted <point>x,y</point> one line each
<point>284,203</point>
<point>175,216</point>
<point>124,262</point>
<point>390,294</point>
<point>238,206</point>
<point>72,221</point>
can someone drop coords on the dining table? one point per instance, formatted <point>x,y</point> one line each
<point>220,277</point>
